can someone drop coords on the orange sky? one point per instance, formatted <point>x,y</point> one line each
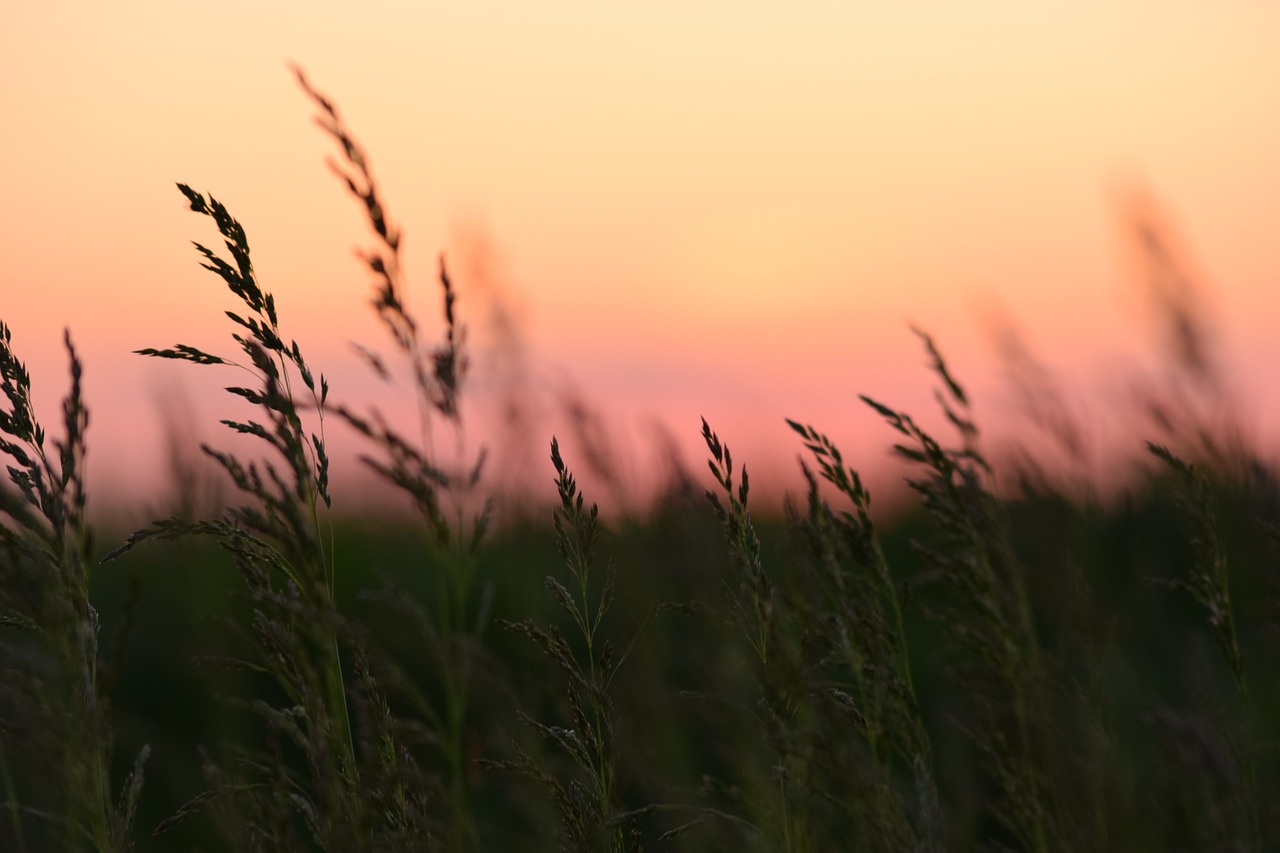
<point>729,209</point>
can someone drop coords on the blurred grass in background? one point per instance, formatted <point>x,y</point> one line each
<point>689,729</point>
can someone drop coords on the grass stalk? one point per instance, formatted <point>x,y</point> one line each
<point>440,491</point>
<point>1209,585</point>
<point>587,798</point>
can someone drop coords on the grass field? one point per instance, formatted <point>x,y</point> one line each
<point>1014,664</point>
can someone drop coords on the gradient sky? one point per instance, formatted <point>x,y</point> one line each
<point>712,208</point>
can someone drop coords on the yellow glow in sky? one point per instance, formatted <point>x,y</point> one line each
<point>716,208</point>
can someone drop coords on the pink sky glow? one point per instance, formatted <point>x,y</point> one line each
<point>664,211</point>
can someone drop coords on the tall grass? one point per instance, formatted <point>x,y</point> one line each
<point>279,542</point>
<point>55,736</point>
<point>588,800</point>
<point>1000,669</point>
<point>441,488</point>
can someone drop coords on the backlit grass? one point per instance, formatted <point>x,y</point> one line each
<point>1007,668</point>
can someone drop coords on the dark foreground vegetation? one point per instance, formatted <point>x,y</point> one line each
<point>1025,667</point>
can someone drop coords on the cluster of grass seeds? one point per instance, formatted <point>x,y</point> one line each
<point>1048,733</point>
<point>994,617</point>
<point>847,756</point>
<point>55,733</point>
<point>1231,811</point>
<point>443,491</point>
<point>1209,583</point>
<point>586,797</point>
<point>782,801</point>
<point>855,613</point>
<point>278,541</point>
<point>334,780</point>
<point>850,754</point>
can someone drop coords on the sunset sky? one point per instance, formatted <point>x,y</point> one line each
<point>683,209</point>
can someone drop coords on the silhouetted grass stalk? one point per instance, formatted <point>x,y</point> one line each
<point>759,610</point>
<point>999,625</point>
<point>280,536</point>
<point>1210,586</point>
<point>851,606</point>
<point>587,800</point>
<point>437,374</point>
<point>45,569</point>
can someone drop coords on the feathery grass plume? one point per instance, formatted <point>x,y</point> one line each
<point>855,612</point>
<point>443,492</point>
<point>277,540</point>
<point>757,603</point>
<point>1055,417</point>
<point>992,615</point>
<point>785,805</point>
<point>55,734</point>
<point>438,371</point>
<point>587,798</point>
<point>1209,585</point>
<point>1192,404</point>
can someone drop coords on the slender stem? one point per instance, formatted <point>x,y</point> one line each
<point>11,796</point>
